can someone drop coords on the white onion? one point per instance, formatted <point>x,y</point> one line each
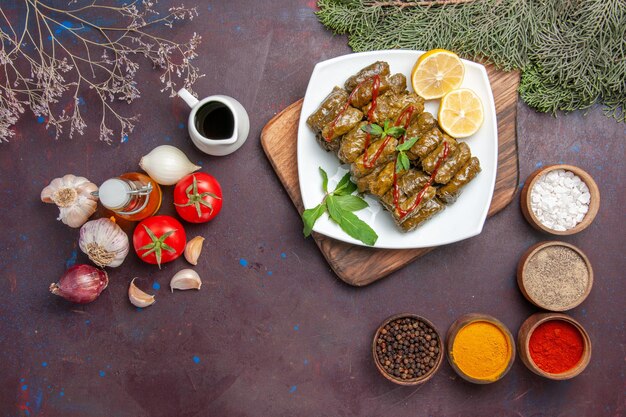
<point>167,164</point>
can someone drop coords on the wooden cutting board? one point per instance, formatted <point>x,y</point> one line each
<point>359,265</point>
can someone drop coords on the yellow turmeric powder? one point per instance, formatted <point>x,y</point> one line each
<point>481,350</point>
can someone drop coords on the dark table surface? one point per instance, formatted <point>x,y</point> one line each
<point>273,332</point>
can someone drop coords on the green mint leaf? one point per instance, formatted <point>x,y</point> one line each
<point>407,144</point>
<point>373,129</point>
<point>324,179</point>
<point>349,188</point>
<point>396,131</point>
<point>350,202</point>
<point>386,126</point>
<point>406,164</point>
<point>399,167</point>
<point>350,223</point>
<point>345,186</point>
<point>334,211</point>
<point>343,182</point>
<point>310,216</point>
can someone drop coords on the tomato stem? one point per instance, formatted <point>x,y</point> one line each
<point>157,245</point>
<point>196,199</point>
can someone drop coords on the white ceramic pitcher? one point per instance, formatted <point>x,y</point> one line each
<point>212,146</point>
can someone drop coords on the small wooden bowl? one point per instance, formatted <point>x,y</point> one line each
<point>523,339</point>
<point>594,202</point>
<point>523,263</point>
<point>463,321</point>
<point>414,381</point>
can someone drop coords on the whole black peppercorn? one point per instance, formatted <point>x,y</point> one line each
<point>407,348</point>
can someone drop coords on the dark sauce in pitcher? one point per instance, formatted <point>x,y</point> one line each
<point>215,121</point>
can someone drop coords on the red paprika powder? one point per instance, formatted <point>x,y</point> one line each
<point>556,346</point>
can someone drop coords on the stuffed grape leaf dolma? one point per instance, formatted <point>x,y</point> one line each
<point>377,68</point>
<point>363,183</point>
<point>397,83</point>
<point>426,143</point>
<point>390,105</point>
<point>352,144</point>
<point>384,180</point>
<point>332,132</point>
<point>430,161</point>
<point>408,203</point>
<point>328,110</point>
<point>325,114</point>
<point>378,153</point>
<point>410,183</point>
<point>426,212</point>
<point>453,163</point>
<point>451,191</point>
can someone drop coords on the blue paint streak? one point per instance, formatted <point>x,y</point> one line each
<point>124,138</point>
<point>293,389</point>
<point>41,119</point>
<point>156,286</point>
<point>576,148</point>
<point>196,359</point>
<point>24,237</point>
<point>72,259</point>
<point>44,364</point>
<point>24,387</point>
<point>61,394</point>
<point>81,101</point>
<point>87,322</point>
<point>270,273</point>
<point>283,255</point>
<point>539,164</point>
<point>101,373</point>
<point>181,125</point>
<point>296,327</point>
<point>139,308</point>
<point>243,262</point>
<point>38,398</point>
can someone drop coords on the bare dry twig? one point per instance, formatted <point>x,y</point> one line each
<point>41,73</point>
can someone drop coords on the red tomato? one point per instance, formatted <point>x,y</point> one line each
<point>159,239</point>
<point>198,197</point>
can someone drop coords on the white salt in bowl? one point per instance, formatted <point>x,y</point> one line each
<point>526,203</point>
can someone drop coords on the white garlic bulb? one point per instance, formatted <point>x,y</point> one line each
<point>73,196</point>
<point>167,164</point>
<point>104,242</point>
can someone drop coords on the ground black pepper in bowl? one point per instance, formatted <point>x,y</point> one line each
<point>407,349</point>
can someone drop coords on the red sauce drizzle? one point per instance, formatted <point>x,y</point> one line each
<point>375,89</point>
<point>420,195</point>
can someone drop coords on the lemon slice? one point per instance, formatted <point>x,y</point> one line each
<point>461,113</point>
<point>436,73</point>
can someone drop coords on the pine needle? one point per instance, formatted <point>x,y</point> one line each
<point>571,53</point>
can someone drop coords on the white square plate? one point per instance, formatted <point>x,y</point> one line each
<point>461,220</point>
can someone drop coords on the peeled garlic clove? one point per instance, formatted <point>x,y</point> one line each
<point>186,279</point>
<point>73,195</point>
<point>167,164</point>
<point>139,298</point>
<point>193,250</point>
